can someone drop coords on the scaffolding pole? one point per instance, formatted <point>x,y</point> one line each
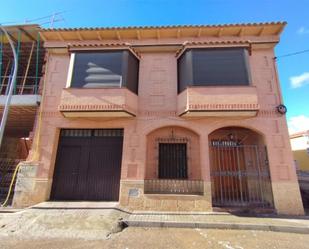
<point>27,70</point>
<point>9,96</point>
<point>4,76</point>
<point>17,55</point>
<point>1,55</point>
<point>37,64</point>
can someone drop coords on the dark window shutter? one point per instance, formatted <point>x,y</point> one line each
<point>213,67</point>
<point>132,72</point>
<point>220,67</point>
<point>185,77</point>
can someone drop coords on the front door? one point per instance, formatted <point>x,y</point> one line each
<point>88,165</point>
<point>240,175</point>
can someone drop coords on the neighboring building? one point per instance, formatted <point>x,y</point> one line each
<point>300,149</point>
<point>26,96</point>
<point>175,118</point>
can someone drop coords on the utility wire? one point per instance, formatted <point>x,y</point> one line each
<point>292,54</point>
<point>56,14</point>
<point>45,17</point>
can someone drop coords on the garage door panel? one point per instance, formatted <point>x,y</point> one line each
<point>105,160</point>
<point>81,187</point>
<point>69,158</point>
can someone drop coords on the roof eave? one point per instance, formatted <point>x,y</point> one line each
<point>159,32</point>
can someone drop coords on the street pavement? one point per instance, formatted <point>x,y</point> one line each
<point>171,238</point>
<point>78,226</point>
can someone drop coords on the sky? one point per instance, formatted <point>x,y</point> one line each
<point>293,70</point>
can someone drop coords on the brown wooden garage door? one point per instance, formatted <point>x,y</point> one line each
<point>88,165</point>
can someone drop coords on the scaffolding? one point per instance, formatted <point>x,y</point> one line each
<point>30,55</point>
<point>30,60</point>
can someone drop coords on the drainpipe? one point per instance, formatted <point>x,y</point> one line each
<point>11,84</point>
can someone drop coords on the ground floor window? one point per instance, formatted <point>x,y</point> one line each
<point>173,161</point>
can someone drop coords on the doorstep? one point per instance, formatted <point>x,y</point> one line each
<point>76,205</point>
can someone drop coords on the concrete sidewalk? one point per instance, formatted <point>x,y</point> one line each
<point>219,221</point>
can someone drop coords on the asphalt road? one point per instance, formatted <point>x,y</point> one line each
<point>141,238</point>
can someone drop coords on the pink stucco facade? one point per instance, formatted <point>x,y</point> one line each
<point>157,109</point>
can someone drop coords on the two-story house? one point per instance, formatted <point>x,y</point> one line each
<point>172,118</point>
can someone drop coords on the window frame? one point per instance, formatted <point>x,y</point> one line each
<point>246,60</point>
<point>124,66</point>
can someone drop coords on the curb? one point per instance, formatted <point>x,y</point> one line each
<point>9,210</point>
<point>213,225</point>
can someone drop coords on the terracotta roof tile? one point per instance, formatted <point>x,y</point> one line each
<point>166,27</point>
<point>98,44</point>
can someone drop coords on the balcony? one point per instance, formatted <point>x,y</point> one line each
<point>176,187</point>
<point>218,101</point>
<point>98,102</point>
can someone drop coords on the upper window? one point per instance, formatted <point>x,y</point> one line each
<point>103,69</point>
<point>213,67</point>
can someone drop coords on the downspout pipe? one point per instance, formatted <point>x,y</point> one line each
<point>11,85</point>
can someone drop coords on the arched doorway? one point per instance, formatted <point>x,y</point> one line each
<point>239,169</point>
<point>173,162</point>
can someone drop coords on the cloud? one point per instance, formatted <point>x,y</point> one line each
<point>299,80</point>
<point>302,31</point>
<point>298,123</point>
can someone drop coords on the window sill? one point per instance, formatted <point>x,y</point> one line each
<point>218,101</point>
<point>102,102</point>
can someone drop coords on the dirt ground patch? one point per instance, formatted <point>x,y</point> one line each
<point>61,224</point>
<point>178,238</point>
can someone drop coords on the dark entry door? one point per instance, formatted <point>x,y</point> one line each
<point>173,161</point>
<point>88,165</point>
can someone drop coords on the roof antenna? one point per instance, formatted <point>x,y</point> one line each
<point>55,17</point>
<point>52,20</point>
